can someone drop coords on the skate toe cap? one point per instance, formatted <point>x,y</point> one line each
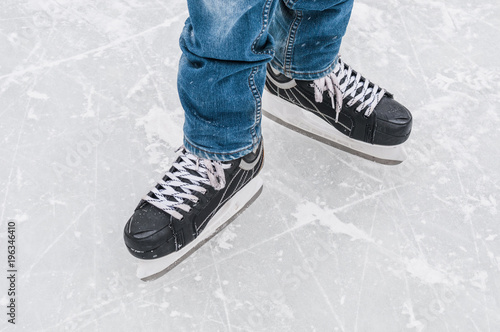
<point>394,122</point>
<point>148,229</point>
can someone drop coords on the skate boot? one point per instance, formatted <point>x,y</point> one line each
<point>342,109</point>
<point>193,202</point>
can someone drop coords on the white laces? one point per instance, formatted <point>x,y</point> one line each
<point>191,172</point>
<point>342,82</point>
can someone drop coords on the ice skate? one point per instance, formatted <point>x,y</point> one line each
<point>194,201</point>
<point>342,109</point>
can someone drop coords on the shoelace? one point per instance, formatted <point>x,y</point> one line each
<point>181,184</point>
<point>342,83</point>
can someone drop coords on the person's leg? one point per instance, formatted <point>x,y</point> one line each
<point>308,35</point>
<point>312,91</point>
<point>222,71</point>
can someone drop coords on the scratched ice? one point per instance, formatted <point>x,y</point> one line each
<point>90,118</point>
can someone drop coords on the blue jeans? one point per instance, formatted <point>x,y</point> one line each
<point>226,45</point>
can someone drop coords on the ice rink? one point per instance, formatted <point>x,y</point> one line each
<point>90,120</point>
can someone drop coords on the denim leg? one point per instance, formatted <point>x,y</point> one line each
<point>308,34</point>
<point>226,46</point>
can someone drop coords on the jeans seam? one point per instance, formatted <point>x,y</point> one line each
<point>258,102</point>
<point>291,41</point>
<point>265,24</point>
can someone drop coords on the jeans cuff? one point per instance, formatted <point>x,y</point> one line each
<point>305,75</point>
<point>219,156</point>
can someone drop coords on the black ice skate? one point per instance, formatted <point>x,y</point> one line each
<point>344,110</point>
<point>193,202</point>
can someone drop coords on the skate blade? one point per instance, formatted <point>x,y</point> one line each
<point>149,270</point>
<point>310,125</point>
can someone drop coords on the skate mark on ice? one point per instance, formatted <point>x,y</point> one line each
<point>151,75</point>
<point>352,166</point>
<point>11,171</point>
<point>309,212</point>
<point>363,274</point>
<point>414,51</point>
<point>318,284</point>
<point>72,223</point>
<point>80,56</point>
<point>222,297</point>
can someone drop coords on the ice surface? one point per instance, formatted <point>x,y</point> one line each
<point>90,118</point>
